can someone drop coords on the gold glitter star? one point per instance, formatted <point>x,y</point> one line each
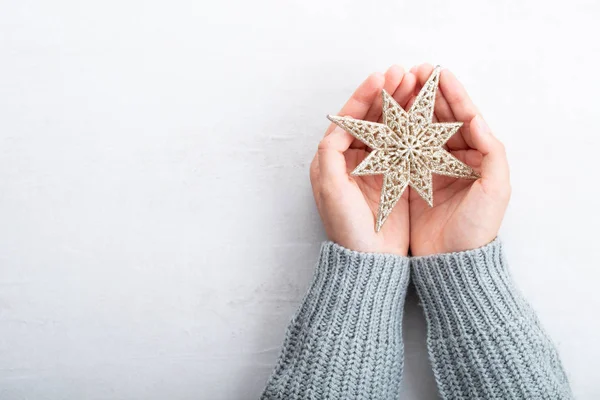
<point>406,148</point>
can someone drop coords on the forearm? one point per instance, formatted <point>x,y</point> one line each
<point>345,341</point>
<point>484,339</point>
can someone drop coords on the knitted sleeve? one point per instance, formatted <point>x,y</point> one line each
<point>484,340</point>
<point>345,341</point>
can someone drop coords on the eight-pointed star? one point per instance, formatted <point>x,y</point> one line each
<point>406,148</point>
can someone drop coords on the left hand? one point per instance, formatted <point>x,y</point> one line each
<point>348,204</point>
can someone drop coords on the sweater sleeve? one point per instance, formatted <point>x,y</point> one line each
<point>345,341</point>
<point>484,340</point>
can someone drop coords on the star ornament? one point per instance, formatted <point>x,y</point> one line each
<point>407,148</point>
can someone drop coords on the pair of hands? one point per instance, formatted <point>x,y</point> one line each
<point>466,214</point>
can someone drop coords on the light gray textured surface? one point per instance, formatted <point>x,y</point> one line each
<point>156,222</point>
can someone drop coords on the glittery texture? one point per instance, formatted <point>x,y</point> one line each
<point>406,148</point>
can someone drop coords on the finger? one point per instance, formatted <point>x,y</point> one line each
<point>471,157</point>
<point>393,76</point>
<point>459,101</point>
<point>415,90</point>
<point>422,73</point>
<point>404,91</point>
<point>410,101</point>
<point>361,100</point>
<point>332,163</point>
<point>494,165</point>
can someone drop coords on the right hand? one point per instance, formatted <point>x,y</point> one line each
<point>466,214</point>
<point>348,204</point>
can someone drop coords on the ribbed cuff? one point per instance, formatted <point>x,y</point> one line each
<point>345,341</point>
<point>468,292</point>
<point>351,285</point>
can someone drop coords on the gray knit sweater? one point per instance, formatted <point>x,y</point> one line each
<point>484,340</point>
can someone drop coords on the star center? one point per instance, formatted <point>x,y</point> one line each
<point>409,146</point>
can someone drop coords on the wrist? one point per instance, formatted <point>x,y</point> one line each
<point>343,254</point>
<point>467,242</point>
<point>373,246</point>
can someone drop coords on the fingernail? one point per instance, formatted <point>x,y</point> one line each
<point>337,130</point>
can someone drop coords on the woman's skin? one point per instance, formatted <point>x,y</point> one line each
<point>466,214</point>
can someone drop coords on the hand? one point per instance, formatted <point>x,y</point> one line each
<point>348,204</point>
<point>466,214</point>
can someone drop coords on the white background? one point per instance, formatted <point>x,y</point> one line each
<point>157,229</point>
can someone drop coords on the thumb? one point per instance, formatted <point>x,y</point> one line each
<point>494,166</point>
<point>332,163</point>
